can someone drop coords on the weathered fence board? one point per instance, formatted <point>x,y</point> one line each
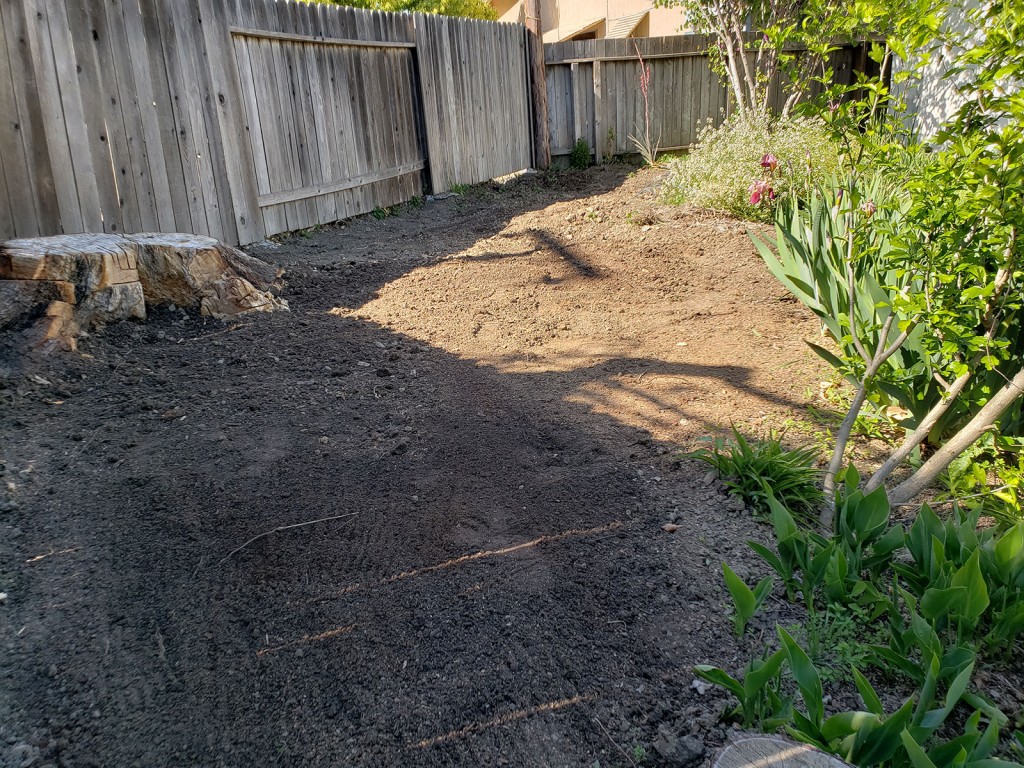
<point>593,89</point>
<point>475,99</point>
<point>244,118</point>
<point>331,114</point>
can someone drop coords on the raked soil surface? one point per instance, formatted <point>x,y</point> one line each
<point>489,395</point>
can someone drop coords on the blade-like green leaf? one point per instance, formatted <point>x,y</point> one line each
<point>742,597</point>
<point>881,744</point>
<point>846,723</point>
<point>769,557</point>
<point>716,676</point>
<point>806,676</point>
<point>867,693</point>
<point>761,672</point>
<point>918,758</point>
<point>939,603</point>
<point>971,578</point>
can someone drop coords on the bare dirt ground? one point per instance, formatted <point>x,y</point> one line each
<point>496,388</point>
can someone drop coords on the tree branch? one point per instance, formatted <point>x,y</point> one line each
<point>960,442</point>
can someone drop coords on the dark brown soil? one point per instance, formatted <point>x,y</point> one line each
<point>494,387</point>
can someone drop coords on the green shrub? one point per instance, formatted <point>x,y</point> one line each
<point>580,155</point>
<point>989,476</point>
<point>928,603</point>
<point>726,161</point>
<point>748,468</point>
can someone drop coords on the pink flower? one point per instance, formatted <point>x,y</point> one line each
<point>869,208</point>
<point>770,161</point>
<point>761,190</point>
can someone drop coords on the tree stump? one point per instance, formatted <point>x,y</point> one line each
<point>90,262</point>
<point>52,287</point>
<point>196,271</point>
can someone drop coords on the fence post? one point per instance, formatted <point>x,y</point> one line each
<point>538,85</point>
<point>600,131</point>
<point>420,105</point>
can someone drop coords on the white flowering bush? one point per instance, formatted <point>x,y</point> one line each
<point>745,166</point>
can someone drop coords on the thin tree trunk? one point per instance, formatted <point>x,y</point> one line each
<point>836,463</point>
<point>919,435</point>
<point>990,322</point>
<point>734,76</point>
<point>882,354</point>
<point>960,442</point>
<point>749,76</point>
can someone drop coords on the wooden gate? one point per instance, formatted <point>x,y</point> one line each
<point>244,118</point>
<point>328,118</point>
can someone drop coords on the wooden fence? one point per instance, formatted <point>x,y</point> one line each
<point>594,93</point>
<point>244,118</point>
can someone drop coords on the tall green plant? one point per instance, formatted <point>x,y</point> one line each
<point>946,258</point>
<point>755,471</point>
<point>834,253</point>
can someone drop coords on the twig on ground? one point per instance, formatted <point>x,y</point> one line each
<point>283,528</point>
<point>234,327</point>
<point>625,754</point>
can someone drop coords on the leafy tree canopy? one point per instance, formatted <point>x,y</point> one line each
<point>473,9</point>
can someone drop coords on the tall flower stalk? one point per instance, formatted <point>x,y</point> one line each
<point>648,149</point>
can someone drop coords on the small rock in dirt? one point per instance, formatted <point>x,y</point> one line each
<point>681,751</point>
<point>3,597</point>
<point>325,440</point>
<point>735,504</point>
<point>670,527</point>
<point>24,755</point>
<point>709,477</point>
<point>699,686</point>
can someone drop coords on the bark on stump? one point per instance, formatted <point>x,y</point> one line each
<point>196,271</point>
<point>39,312</point>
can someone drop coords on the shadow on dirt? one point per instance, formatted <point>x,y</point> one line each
<point>367,253</point>
<point>498,592</point>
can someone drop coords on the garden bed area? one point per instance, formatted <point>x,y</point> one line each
<point>483,401</point>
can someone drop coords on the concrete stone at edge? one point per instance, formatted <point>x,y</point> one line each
<point>765,751</point>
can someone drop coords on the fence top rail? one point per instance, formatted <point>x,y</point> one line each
<point>265,34</point>
<point>647,57</point>
<point>668,47</point>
